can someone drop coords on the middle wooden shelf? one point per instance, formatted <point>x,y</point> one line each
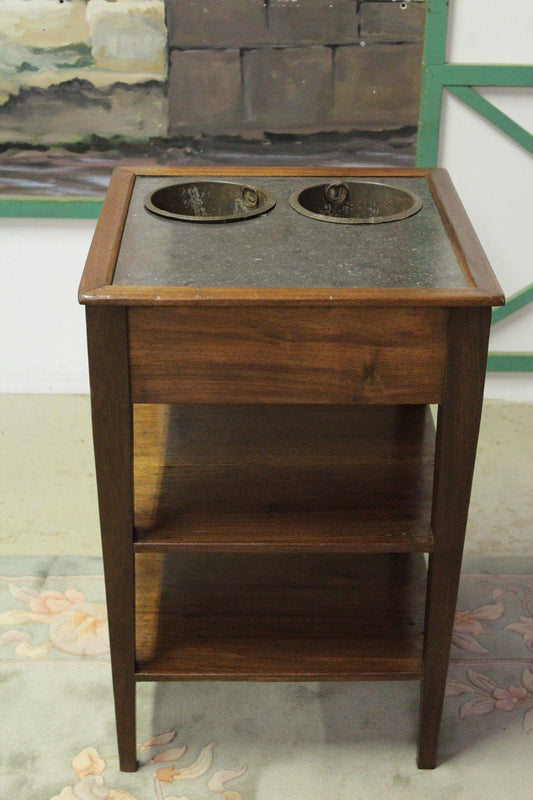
<point>283,478</point>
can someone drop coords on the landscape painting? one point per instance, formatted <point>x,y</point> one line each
<point>89,84</point>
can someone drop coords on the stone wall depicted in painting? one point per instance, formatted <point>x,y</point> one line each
<point>249,66</point>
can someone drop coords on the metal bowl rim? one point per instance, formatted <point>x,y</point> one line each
<point>270,202</point>
<point>413,209</point>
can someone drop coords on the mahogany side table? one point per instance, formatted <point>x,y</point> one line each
<point>268,472</point>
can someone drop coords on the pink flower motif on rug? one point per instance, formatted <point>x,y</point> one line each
<point>75,626</point>
<point>81,630</point>
<point>199,767</point>
<point>525,629</point>
<point>506,699</point>
<point>467,626</point>
<point>488,696</point>
<point>89,767</point>
<point>503,678</point>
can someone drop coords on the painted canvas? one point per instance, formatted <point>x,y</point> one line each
<point>77,77</point>
<point>87,84</point>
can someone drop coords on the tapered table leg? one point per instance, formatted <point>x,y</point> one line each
<point>457,434</point>
<point>113,447</point>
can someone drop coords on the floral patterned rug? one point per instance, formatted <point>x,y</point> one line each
<point>248,741</point>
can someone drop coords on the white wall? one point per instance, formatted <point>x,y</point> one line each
<point>42,327</point>
<point>493,175</point>
<point>42,334</point>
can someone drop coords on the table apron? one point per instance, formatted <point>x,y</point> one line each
<point>287,355</point>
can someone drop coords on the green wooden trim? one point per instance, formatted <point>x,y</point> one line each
<point>459,83</point>
<point>510,362</point>
<point>492,114</point>
<point>427,151</point>
<point>437,74</point>
<point>482,74</point>
<point>435,32</point>
<point>513,304</point>
<point>434,52</point>
<point>51,207</point>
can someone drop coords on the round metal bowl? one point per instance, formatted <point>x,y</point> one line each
<point>209,201</point>
<point>355,202</point>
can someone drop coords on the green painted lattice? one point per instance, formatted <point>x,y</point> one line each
<point>459,79</point>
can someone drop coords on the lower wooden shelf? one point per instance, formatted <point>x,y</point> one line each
<point>283,478</point>
<point>294,616</point>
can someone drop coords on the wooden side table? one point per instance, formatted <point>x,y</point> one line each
<point>268,472</point>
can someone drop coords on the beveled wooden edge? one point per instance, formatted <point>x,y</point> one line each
<point>468,249</point>
<point>281,296</point>
<point>96,285</point>
<point>277,171</point>
<point>103,252</point>
<point>403,670</point>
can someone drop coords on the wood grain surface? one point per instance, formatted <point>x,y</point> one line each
<point>282,355</point>
<point>274,617</point>
<point>283,478</point>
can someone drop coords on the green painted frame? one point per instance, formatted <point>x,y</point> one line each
<point>438,75</point>
<point>51,207</point>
